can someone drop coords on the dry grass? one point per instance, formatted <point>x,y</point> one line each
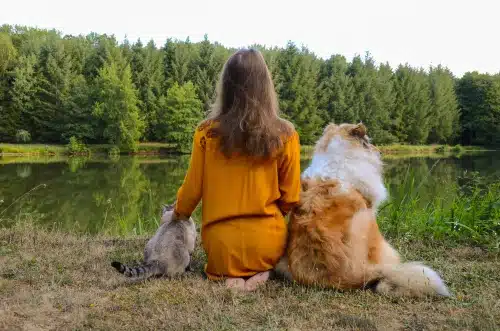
<point>55,281</point>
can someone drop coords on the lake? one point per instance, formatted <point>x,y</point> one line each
<point>125,195</point>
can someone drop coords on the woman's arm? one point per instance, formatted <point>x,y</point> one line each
<point>189,194</point>
<point>289,174</point>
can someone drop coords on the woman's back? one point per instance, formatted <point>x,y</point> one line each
<point>245,167</point>
<point>243,186</point>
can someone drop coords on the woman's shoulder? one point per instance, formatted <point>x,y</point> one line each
<point>289,133</point>
<point>204,125</point>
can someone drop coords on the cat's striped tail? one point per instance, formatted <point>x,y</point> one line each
<point>142,271</point>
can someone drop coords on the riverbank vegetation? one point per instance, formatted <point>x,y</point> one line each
<point>99,91</point>
<point>77,148</point>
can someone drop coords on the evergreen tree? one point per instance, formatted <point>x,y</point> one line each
<point>98,90</point>
<point>7,52</point>
<point>52,87</point>
<point>22,99</point>
<point>206,68</point>
<point>336,91</point>
<point>178,58</point>
<point>413,105</point>
<point>147,73</point>
<point>479,96</point>
<point>444,106</point>
<point>179,117</point>
<point>296,85</point>
<point>77,119</point>
<point>373,96</point>
<point>116,106</point>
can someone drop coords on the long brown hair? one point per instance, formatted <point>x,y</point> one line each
<point>246,108</point>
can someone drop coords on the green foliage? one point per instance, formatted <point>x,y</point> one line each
<point>23,136</point>
<point>444,125</point>
<point>297,74</point>
<point>116,106</point>
<point>413,105</point>
<point>457,149</point>
<point>114,151</point>
<point>75,147</point>
<point>441,149</point>
<point>7,52</point>
<point>471,214</point>
<point>479,97</point>
<point>99,91</point>
<point>180,115</point>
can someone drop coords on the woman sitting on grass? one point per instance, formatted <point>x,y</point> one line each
<point>245,167</point>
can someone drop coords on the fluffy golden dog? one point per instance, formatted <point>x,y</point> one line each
<point>334,240</point>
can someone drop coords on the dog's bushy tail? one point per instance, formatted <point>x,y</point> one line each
<point>142,271</point>
<point>411,278</point>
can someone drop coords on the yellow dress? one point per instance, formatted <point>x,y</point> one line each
<point>244,202</point>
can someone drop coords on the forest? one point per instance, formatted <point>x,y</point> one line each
<point>100,91</point>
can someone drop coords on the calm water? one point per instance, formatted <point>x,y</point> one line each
<point>125,195</point>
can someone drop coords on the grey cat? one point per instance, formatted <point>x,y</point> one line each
<point>168,252</point>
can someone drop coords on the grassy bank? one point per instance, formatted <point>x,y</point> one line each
<point>163,148</point>
<point>60,150</point>
<point>54,281</point>
<point>469,215</point>
<point>396,150</point>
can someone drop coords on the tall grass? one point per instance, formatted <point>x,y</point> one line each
<point>469,214</point>
<point>37,149</point>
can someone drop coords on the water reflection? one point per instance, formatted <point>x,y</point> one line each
<point>124,195</point>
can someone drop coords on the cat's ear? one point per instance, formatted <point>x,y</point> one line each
<point>167,207</point>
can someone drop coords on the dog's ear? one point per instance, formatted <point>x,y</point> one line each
<point>307,183</point>
<point>358,131</point>
<point>330,126</point>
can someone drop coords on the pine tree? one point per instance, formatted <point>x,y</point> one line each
<point>412,111</point>
<point>7,52</point>
<point>116,106</point>
<point>444,109</point>
<point>77,119</point>
<point>52,85</point>
<point>178,58</point>
<point>9,118</point>
<point>373,96</point>
<point>296,86</point>
<point>179,117</point>
<point>336,91</point>
<point>479,97</point>
<point>147,73</point>
<point>21,96</point>
<point>206,68</point>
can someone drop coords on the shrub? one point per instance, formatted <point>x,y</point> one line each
<point>457,149</point>
<point>441,149</point>
<point>76,147</point>
<point>114,151</point>
<point>23,136</point>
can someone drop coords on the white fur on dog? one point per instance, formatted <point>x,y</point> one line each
<point>344,163</point>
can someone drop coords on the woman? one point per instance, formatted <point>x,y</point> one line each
<point>245,167</point>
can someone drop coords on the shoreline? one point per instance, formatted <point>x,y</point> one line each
<point>157,149</point>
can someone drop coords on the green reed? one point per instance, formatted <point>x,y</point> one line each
<point>468,214</point>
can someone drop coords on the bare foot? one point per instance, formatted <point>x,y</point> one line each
<point>235,283</point>
<point>255,281</point>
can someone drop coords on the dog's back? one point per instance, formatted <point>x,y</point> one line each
<point>320,248</point>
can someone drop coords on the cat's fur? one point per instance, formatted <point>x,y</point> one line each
<point>168,252</point>
<point>334,240</point>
